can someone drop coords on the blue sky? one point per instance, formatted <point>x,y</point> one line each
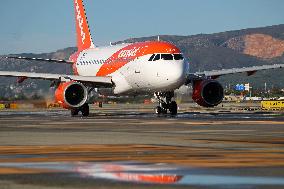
<point>47,25</point>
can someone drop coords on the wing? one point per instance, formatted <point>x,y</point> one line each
<point>91,81</point>
<point>40,59</point>
<point>214,74</point>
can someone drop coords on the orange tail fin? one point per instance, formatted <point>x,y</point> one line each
<point>84,38</point>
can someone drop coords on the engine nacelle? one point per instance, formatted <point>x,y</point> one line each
<point>71,94</point>
<point>207,93</point>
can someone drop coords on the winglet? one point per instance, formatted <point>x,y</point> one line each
<point>84,38</point>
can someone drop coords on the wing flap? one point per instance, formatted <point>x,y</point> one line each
<point>94,81</point>
<point>217,73</point>
<point>40,59</point>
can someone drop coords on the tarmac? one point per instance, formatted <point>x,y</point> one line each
<point>127,146</point>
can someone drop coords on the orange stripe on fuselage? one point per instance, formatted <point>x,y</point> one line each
<point>133,51</point>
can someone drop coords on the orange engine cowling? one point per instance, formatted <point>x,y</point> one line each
<point>207,93</point>
<point>71,94</point>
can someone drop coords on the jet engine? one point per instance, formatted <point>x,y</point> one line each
<point>207,93</point>
<point>71,94</point>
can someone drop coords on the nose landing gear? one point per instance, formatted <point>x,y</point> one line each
<point>166,103</point>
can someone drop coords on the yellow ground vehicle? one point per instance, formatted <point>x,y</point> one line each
<point>272,105</point>
<point>2,106</point>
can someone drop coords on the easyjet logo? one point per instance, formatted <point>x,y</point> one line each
<point>128,53</point>
<point>80,21</point>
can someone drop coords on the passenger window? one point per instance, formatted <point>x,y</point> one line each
<point>152,57</point>
<point>178,56</point>
<point>157,57</point>
<point>167,57</point>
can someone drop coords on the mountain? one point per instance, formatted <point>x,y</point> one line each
<point>241,48</point>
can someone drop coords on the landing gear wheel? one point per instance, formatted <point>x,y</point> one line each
<point>166,103</point>
<point>158,110</point>
<point>85,110</point>
<point>74,112</point>
<point>173,108</point>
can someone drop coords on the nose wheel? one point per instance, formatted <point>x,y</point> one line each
<point>166,104</point>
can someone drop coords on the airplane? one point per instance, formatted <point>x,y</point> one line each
<point>117,171</point>
<point>150,67</point>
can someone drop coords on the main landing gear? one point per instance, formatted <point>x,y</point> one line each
<point>166,103</point>
<point>85,110</point>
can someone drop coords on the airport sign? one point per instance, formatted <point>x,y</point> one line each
<point>240,87</point>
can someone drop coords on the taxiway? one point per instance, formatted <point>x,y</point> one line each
<point>121,146</point>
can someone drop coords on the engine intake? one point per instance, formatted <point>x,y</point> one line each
<point>207,93</point>
<point>71,95</point>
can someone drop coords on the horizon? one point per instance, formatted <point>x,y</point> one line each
<point>30,30</point>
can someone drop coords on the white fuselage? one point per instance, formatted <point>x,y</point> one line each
<point>139,75</point>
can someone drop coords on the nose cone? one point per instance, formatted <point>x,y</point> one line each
<point>174,73</point>
<point>177,72</point>
<point>169,73</point>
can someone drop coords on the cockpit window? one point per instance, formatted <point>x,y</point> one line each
<point>152,57</point>
<point>157,57</point>
<point>178,57</point>
<point>167,57</point>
